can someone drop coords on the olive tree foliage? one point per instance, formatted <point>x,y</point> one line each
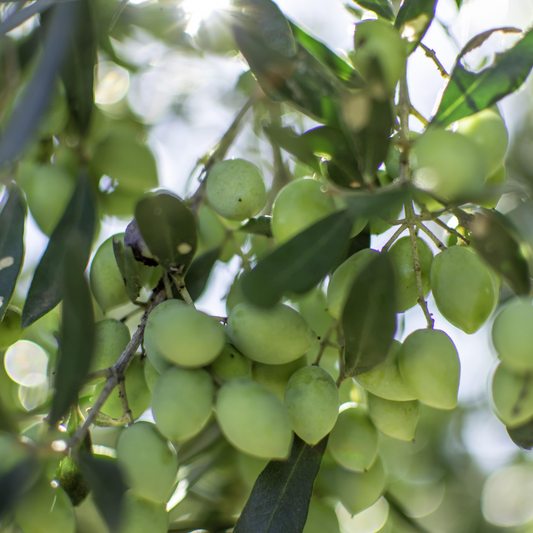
<point>248,436</point>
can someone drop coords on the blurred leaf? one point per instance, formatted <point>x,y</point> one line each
<point>369,317</point>
<point>16,19</point>
<point>291,142</point>
<point>199,272</point>
<point>76,339</point>
<point>522,436</point>
<point>128,268</point>
<point>343,70</point>
<point>469,92</point>
<point>12,220</point>
<point>459,3</point>
<point>280,498</point>
<point>108,487</point>
<point>413,20</point>
<point>495,239</point>
<point>34,101</point>
<point>382,8</point>
<point>77,72</point>
<point>377,203</point>
<point>15,482</point>
<point>354,245</point>
<point>77,223</point>
<point>258,226</point>
<point>6,421</point>
<point>123,158</point>
<point>168,227</point>
<point>369,123</point>
<point>299,264</point>
<point>522,218</point>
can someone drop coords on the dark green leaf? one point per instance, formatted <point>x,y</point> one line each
<point>382,8</point>
<point>76,340</point>
<point>128,267</point>
<point>77,72</point>
<point>258,226</point>
<point>168,227</point>
<point>107,483</point>
<point>354,245</point>
<point>344,72</point>
<point>15,482</point>
<point>523,435</point>
<point>369,317</point>
<point>290,141</point>
<point>497,241</point>
<point>198,275</point>
<point>469,92</point>
<point>77,223</point>
<point>375,204</point>
<point>414,19</point>
<point>459,3</point>
<point>299,264</point>
<point>35,99</point>
<point>279,501</point>
<point>12,220</point>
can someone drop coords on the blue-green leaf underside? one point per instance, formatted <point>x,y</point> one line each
<point>299,264</point>
<point>76,224</point>
<point>279,501</point>
<point>469,92</point>
<point>369,317</point>
<point>12,219</point>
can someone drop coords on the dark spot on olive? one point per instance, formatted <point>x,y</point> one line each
<point>240,200</point>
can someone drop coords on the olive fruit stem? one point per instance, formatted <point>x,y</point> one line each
<point>124,401</point>
<point>438,243</point>
<point>392,240</point>
<point>452,231</point>
<point>245,262</point>
<point>168,286</point>
<point>105,421</point>
<point>433,56</point>
<point>141,307</point>
<point>410,215</point>
<point>324,342</point>
<point>424,121</point>
<point>182,289</point>
<point>221,149</point>
<point>97,374</point>
<point>117,371</point>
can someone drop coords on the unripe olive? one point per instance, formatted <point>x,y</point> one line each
<point>110,339</point>
<point>513,396</point>
<point>401,253</point>
<point>273,336</point>
<point>321,517</point>
<point>385,380</point>
<point>137,392</point>
<point>448,164</point>
<point>250,467</point>
<point>151,374</point>
<point>343,278</point>
<point>149,463</point>
<point>297,206</point>
<point>312,400</point>
<point>140,515</point>
<point>354,440</point>
<point>235,189</point>
<point>381,41</point>
<point>48,191</point>
<point>182,335</point>
<point>10,328</point>
<point>498,178</point>
<point>358,491</point>
<point>512,335</point>
<point>465,288</point>
<point>395,419</point>
<point>276,377</point>
<point>253,419</point>
<point>44,509</point>
<point>107,284</point>
<point>72,481</point>
<point>181,402</point>
<point>429,365</point>
<point>231,364</point>
<point>487,130</point>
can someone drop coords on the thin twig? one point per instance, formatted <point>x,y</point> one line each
<point>392,240</point>
<point>123,395</point>
<point>182,289</point>
<point>419,116</point>
<point>324,341</point>
<point>452,231</point>
<point>168,286</point>
<point>118,371</point>
<point>438,243</point>
<point>433,56</point>
<point>98,374</point>
<point>117,14</point>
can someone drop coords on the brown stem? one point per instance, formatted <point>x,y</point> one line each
<point>433,56</point>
